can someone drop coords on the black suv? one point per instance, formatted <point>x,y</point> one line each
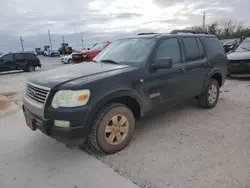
<point>19,61</point>
<point>100,100</point>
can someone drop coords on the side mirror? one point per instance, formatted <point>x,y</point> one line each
<point>162,63</point>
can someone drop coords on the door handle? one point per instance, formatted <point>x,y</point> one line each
<point>181,70</point>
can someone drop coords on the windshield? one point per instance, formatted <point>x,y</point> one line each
<point>244,46</point>
<point>127,51</point>
<point>98,46</point>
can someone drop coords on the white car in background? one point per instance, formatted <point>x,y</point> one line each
<point>67,59</point>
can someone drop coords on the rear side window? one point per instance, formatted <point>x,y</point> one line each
<point>191,49</point>
<point>18,56</point>
<point>214,46</point>
<point>30,56</point>
<point>201,48</point>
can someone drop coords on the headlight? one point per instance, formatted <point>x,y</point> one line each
<point>69,98</point>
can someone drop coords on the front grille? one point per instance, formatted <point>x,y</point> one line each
<point>36,93</point>
<point>239,63</point>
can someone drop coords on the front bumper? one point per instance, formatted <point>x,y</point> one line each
<point>77,130</point>
<point>239,68</point>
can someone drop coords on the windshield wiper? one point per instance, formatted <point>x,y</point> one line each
<point>245,48</point>
<point>110,61</point>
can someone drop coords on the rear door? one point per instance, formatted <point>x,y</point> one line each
<point>20,61</point>
<point>8,62</point>
<point>197,65</point>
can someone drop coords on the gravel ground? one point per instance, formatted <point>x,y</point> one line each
<point>185,146</point>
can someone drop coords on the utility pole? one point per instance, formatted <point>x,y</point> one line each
<point>50,40</point>
<point>82,41</point>
<point>204,21</point>
<point>63,39</point>
<point>21,40</point>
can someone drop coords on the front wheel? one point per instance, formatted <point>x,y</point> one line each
<point>70,61</point>
<point>113,128</point>
<point>209,98</point>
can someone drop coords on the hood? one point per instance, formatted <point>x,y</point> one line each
<point>239,56</point>
<point>66,56</point>
<point>71,73</point>
<point>88,51</point>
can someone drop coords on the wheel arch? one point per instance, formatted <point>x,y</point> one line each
<point>130,98</point>
<point>214,74</point>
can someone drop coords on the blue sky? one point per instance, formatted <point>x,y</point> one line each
<point>99,20</point>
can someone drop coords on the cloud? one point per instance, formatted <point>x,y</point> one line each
<point>105,19</point>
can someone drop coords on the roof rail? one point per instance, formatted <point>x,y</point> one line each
<point>147,33</point>
<point>188,31</point>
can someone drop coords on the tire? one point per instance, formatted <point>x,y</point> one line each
<point>30,68</point>
<point>70,61</point>
<point>104,135</point>
<point>209,98</point>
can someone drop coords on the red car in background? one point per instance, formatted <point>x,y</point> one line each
<point>88,55</point>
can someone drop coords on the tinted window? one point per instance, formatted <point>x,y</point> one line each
<point>8,57</point>
<point>214,46</point>
<point>169,48</point>
<point>30,56</point>
<point>201,48</point>
<point>192,50</point>
<point>18,56</point>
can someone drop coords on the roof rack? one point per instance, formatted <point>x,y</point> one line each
<point>147,33</point>
<point>188,31</point>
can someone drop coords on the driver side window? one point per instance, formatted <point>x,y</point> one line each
<point>169,48</point>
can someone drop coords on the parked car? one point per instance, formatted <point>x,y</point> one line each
<point>88,55</point>
<point>52,53</point>
<point>67,59</point>
<point>19,61</point>
<point>100,100</point>
<point>239,60</point>
<point>230,45</point>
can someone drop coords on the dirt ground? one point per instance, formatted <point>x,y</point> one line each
<point>183,147</point>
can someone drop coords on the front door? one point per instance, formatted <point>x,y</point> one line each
<point>167,85</point>
<point>8,62</point>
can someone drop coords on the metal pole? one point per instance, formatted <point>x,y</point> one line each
<point>50,40</point>
<point>21,40</point>
<point>82,42</point>
<point>63,39</point>
<point>204,20</point>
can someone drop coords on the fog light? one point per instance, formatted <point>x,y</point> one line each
<point>59,123</point>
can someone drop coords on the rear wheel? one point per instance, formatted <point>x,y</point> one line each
<point>209,98</point>
<point>113,128</point>
<point>30,68</point>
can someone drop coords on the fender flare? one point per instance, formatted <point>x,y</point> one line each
<point>209,76</point>
<point>102,100</point>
